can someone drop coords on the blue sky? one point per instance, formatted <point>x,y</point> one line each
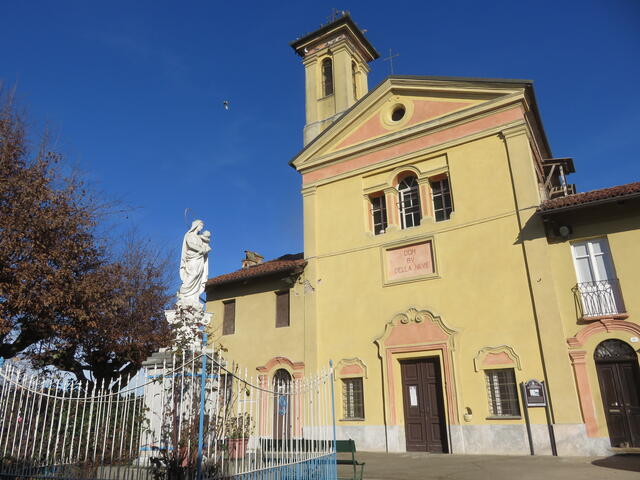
<point>133,92</point>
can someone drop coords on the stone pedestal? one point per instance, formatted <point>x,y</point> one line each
<point>188,323</point>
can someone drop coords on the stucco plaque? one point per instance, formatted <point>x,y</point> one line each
<point>409,261</point>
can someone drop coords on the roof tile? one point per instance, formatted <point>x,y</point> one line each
<point>579,199</point>
<point>285,264</point>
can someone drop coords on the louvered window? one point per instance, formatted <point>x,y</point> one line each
<point>282,309</point>
<point>229,318</point>
<point>327,77</point>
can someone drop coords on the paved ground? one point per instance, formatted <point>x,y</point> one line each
<point>417,466</point>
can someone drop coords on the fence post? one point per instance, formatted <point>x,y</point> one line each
<point>333,418</point>
<point>203,383</point>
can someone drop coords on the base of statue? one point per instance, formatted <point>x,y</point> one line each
<point>188,323</point>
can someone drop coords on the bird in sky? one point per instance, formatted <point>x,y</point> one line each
<point>226,104</point>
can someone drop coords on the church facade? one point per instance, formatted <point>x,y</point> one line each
<point>446,261</point>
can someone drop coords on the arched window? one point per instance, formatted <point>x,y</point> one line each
<point>614,350</point>
<point>327,77</point>
<point>354,79</point>
<point>409,202</point>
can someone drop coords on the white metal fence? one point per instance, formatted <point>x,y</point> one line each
<point>191,415</point>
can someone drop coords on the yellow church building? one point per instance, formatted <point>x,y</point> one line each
<point>446,261</point>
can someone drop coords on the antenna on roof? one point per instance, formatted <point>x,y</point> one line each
<point>336,14</point>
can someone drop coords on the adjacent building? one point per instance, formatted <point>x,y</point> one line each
<point>446,260</point>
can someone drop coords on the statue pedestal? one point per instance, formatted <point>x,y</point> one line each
<point>162,369</point>
<point>188,323</point>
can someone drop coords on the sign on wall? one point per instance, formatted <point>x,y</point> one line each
<point>535,394</point>
<point>409,261</point>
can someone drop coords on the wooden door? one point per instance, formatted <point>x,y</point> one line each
<point>424,417</point>
<point>619,380</point>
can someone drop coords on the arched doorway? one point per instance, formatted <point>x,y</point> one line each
<point>619,379</point>
<point>281,407</point>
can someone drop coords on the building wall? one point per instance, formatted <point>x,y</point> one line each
<point>256,340</point>
<point>499,295</point>
<point>620,225</point>
<point>480,289</point>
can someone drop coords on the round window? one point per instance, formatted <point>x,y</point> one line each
<point>398,113</point>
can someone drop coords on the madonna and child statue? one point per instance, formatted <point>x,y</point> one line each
<point>189,316</point>
<point>194,265</point>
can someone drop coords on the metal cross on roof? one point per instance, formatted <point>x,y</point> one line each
<point>390,59</point>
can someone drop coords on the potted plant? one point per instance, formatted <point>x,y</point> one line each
<point>239,429</point>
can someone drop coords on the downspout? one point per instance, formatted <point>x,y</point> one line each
<point>529,283</point>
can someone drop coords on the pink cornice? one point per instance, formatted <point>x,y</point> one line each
<point>578,356</point>
<point>414,333</point>
<point>351,370</point>
<point>500,358</point>
<point>415,144</point>
<point>278,361</point>
<point>604,325</point>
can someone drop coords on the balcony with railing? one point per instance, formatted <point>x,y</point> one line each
<point>601,299</point>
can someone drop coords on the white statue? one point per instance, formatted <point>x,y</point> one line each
<point>194,265</point>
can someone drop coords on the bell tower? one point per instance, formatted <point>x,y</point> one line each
<point>335,59</point>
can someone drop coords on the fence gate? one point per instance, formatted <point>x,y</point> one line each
<point>184,416</point>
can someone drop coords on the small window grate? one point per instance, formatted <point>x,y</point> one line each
<point>502,392</point>
<point>353,398</point>
<point>616,350</point>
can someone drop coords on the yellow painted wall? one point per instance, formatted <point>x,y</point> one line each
<point>256,339</point>
<point>481,291</point>
<point>498,283</point>
<point>620,225</point>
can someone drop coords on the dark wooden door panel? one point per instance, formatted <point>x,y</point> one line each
<point>620,389</point>
<point>612,403</point>
<point>425,428</point>
<point>629,375</point>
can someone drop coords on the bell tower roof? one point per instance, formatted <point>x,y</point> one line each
<point>333,32</point>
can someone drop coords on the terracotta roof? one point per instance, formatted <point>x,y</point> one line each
<point>592,197</point>
<point>290,263</point>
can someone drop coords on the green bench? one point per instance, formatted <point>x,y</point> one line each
<point>349,446</point>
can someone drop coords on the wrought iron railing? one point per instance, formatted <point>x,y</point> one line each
<point>186,415</point>
<point>600,298</point>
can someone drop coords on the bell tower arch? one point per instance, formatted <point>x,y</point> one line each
<point>335,59</point>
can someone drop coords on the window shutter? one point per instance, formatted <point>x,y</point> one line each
<point>229,321</point>
<point>282,309</point>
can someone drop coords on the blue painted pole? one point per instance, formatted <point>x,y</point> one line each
<point>333,415</point>
<point>203,384</point>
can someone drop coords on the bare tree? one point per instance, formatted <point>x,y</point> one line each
<point>64,300</point>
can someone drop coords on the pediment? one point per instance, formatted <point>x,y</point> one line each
<point>379,123</point>
<point>425,102</point>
